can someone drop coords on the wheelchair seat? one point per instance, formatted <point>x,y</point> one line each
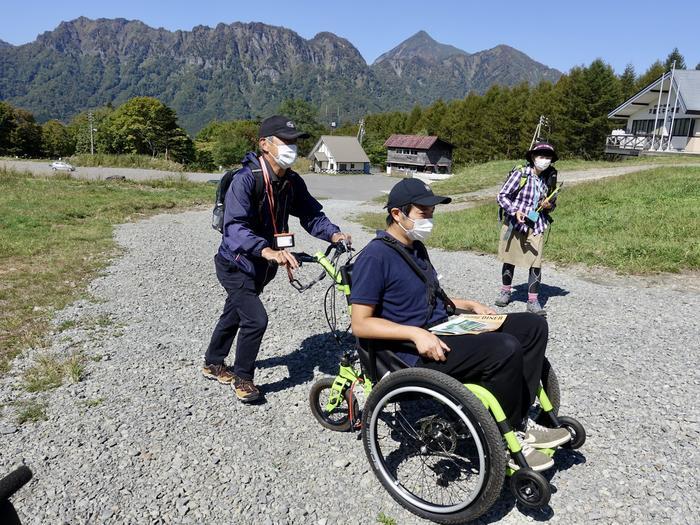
<point>378,357</point>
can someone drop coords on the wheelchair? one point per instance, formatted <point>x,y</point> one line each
<point>439,447</point>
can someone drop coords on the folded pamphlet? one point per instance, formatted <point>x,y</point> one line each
<point>469,324</point>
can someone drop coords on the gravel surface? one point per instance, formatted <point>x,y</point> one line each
<point>144,438</point>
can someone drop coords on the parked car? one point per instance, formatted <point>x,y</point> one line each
<point>61,166</point>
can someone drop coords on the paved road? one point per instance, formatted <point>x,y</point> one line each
<point>343,187</point>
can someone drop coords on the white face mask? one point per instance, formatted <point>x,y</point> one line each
<point>542,163</point>
<point>286,154</point>
<point>422,229</point>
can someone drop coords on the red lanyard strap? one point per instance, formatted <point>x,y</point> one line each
<point>270,193</point>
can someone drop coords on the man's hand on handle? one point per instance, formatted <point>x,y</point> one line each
<point>340,236</point>
<point>281,257</point>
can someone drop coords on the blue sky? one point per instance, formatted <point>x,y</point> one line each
<point>559,34</point>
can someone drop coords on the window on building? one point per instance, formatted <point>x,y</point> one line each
<point>681,127</point>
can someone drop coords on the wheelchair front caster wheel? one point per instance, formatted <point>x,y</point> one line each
<point>530,488</point>
<point>578,433</point>
<point>338,418</point>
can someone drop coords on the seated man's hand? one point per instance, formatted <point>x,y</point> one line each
<point>340,236</point>
<point>430,346</point>
<point>482,309</point>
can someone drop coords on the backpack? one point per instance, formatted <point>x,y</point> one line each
<point>217,219</point>
<point>550,181</point>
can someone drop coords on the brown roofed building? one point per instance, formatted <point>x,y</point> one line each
<point>418,153</point>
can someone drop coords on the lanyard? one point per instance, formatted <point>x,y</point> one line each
<point>270,194</point>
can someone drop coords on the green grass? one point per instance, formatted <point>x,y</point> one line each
<point>55,236</point>
<point>383,519</point>
<point>641,223</point>
<point>479,176</point>
<point>124,161</point>
<point>49,371</point>
<point>29,411</point>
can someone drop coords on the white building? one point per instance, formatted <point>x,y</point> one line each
<point>662,117</point>
<point>338,154</point>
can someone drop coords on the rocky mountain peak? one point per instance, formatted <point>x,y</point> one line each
<point>422,46</point>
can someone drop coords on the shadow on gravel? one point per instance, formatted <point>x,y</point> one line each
<point>318,350</point>
<point>546,291</point>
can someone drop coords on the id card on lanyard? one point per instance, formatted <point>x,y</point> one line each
<point>281,239</point>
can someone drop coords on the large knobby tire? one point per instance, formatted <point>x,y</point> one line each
<point>433,446</point>
<point>338,419</point>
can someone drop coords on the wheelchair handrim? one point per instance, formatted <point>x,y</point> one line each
<point>381,467</point>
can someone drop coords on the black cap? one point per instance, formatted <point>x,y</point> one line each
<point>542,149</point>
<point>281,127</point>
<point>413,191</point>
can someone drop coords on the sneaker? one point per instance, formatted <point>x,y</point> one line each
<point>219,373</point>
<point>536,460</point>
<point>245,390</point>
<point>538,436</point>
<point>503,298</point>
<point>534,307</point>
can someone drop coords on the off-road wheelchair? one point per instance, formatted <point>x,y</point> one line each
<point>439,447</point>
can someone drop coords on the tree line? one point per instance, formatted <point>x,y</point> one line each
<point>498,124</point>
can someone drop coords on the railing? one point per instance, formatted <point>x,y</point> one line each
<point>637,142</point>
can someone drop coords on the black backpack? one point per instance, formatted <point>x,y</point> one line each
<point>217,219</point>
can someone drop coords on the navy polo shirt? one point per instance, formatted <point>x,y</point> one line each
<point>382,278</point>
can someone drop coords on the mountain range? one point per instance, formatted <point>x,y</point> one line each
<point>242,70</point>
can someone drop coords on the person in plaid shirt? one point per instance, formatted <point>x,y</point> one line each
<point>526,209</point>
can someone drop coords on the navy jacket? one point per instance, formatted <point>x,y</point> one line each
<point>248,227</point>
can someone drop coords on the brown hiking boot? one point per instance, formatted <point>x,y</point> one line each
<point>245,390</point>
<point>219,373</point>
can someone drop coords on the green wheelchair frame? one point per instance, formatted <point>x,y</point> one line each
<point>529,487</point>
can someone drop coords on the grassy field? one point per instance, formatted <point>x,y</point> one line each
<point>640,223</point>
<point>124,161</point>
<point>55,235</point>
<point>479,176</point>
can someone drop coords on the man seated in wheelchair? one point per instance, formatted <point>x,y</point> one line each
<point>393,305</point>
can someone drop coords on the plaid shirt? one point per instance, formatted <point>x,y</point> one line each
<point>526,200</point>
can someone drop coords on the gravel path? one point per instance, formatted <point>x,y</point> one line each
<point>145,439</point>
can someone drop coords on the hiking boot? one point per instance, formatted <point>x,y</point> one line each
<point>538,436</point>
<point>536,460</point>
<point>503,298</point>
<point>534,307</point>
<point>219,373</point>
<point>245,390</point>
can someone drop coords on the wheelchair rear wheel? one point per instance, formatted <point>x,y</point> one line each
<point>433,445</point>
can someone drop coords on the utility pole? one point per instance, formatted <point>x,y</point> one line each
<point>361,131</point>
<point>92,142</point>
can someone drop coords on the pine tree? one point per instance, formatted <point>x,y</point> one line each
<point>651,75</point>
<point>628,82</point>
<point>676,56</point>
<point>589,94</point>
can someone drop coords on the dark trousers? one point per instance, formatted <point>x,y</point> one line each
<point>507,362</point>
<point>244,314</point>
